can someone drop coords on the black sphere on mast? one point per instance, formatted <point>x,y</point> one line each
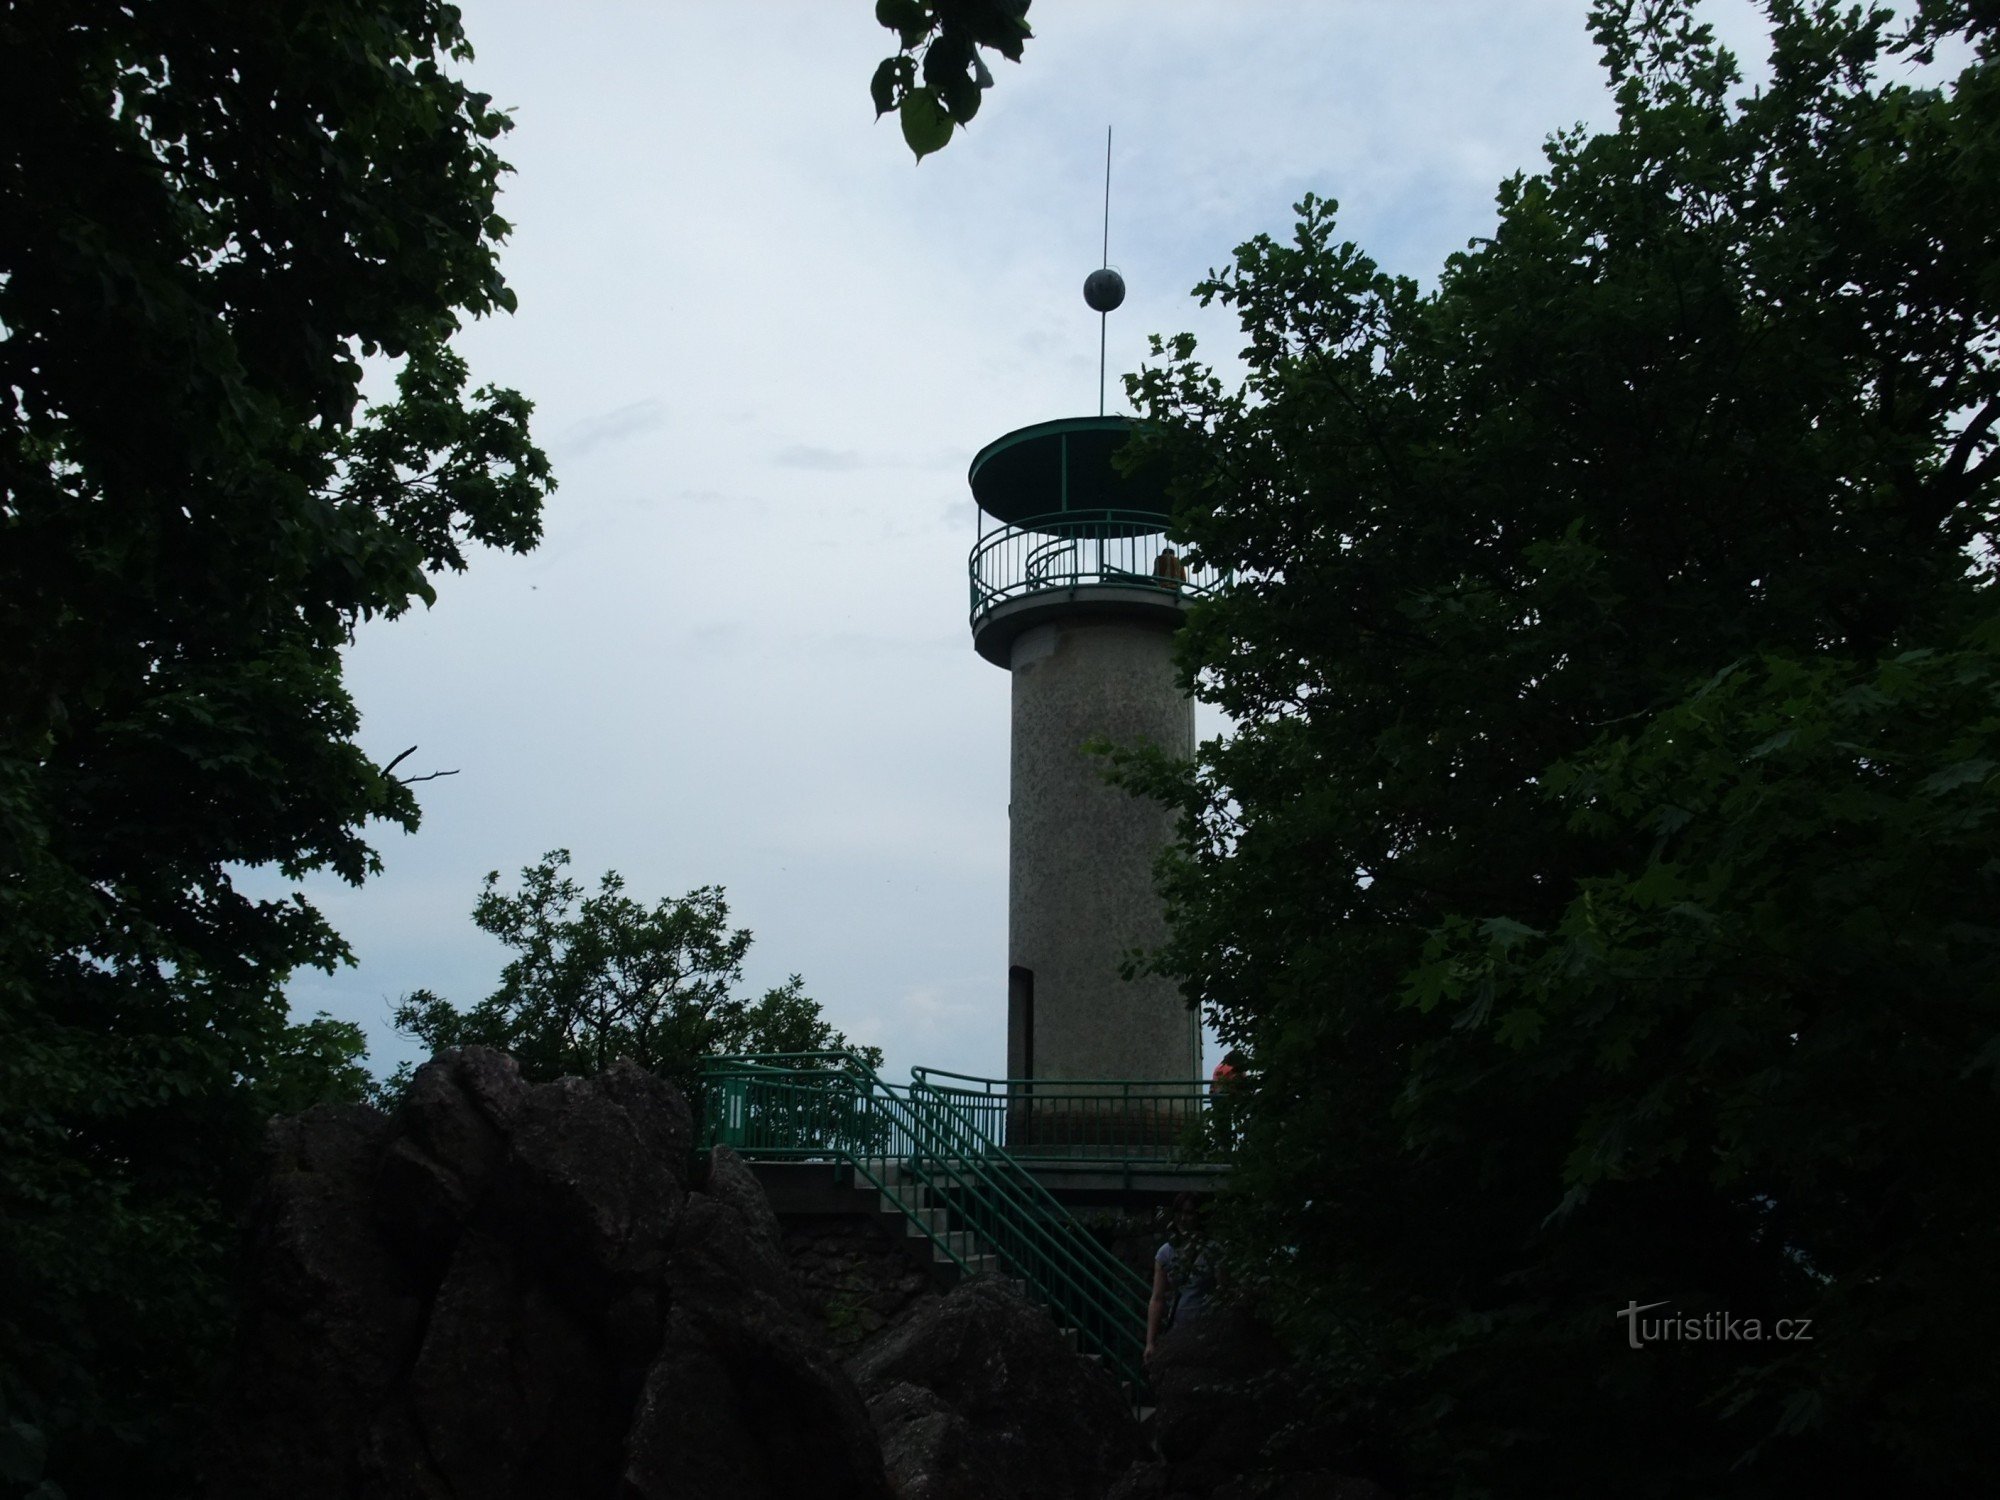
<point>1103,289</point>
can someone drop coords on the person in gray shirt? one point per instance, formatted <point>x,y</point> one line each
<point>1185,1273</point>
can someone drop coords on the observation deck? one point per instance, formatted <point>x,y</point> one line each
<point>1070,535</point>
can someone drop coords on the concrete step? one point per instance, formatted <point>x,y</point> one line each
<point>957,1242</point>
<point>919,1221</point>
<point>915,1194</point>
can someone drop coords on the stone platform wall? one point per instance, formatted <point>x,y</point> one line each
<point>857,1277</point>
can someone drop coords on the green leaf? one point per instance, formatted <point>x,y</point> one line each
<point>882,87</point>
<point>926,125</point>
<point>911,20</point>
<point>1963,773</point>
<point>1519,1028</point>
<point>1986,1060</point>
<point>22,1449</point>
<point>1009,29</point>
<point>1505,932</point>
<point>1671,820</point>
<point>957,85</point>
<point>961,98</point>
<point>949,55</point>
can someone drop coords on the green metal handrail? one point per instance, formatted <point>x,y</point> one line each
<point>813,1111</point>
<point>831,1106</point>
<point>1030,1188</point>
<point>1136,1125</point>
<point>807,1111</point>
<point>1103,547</point>
<point>1088,1287</point>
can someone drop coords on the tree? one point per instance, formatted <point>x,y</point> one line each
<point>211,212</point>
<point>596,978</point>
<point>939,41</point>
<point>1603,872</point>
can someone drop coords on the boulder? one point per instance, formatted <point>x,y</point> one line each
<point>691,1434</point>
<point>742,1358</point>
<point>728,1261</point>
<point>586,1191</point>
<point>510,1291</point>
<point>510,1394</point>
<point>1164,1481</point>
<point>1011,1408</point>
<point>460,1110</point>
<point>732,1185</point>
<point>449,1141</point>
<point>1229,1423</point>
<point>1148,1479</point>
<point>858,1277</point>
<point>1309,1484</point>
<point>928,1448</point>
<point>1218,1382</point>
<point>334,1316</point>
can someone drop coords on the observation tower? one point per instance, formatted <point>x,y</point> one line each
<point>1077,593</point>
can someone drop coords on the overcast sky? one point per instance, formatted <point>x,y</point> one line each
<point>763,347</point>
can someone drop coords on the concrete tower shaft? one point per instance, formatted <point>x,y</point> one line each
<point>1077,592</point>
<point>1081,854</point>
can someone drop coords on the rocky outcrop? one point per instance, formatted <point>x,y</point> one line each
<point>508,1290</point>
<point>977,1395</point>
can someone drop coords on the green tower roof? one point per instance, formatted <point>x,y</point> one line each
<point>1061,466</point>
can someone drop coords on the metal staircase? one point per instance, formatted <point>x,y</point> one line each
<point>904,1196</point>
<point>949,1181</point>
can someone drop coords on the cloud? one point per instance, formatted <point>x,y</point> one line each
<point>823,460</point>
<point>922,1011</point>
<point>846,460</point>
<point>610,427</point>
<point>709,495</point>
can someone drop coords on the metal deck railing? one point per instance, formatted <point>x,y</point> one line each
<point>1132,1125</point>
<point>1079,547</point>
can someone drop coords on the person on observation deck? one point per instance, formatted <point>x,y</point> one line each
<point>1225,1090</point>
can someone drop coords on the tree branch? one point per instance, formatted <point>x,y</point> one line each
<point>1968,443</point>
<point>412,780</point>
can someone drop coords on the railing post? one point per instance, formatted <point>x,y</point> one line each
<point>735,1111</point>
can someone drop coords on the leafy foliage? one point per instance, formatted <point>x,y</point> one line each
<point>210,213</point>
<point>938,42</point>
<point>1603,873</point>
<point>600,977</point>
